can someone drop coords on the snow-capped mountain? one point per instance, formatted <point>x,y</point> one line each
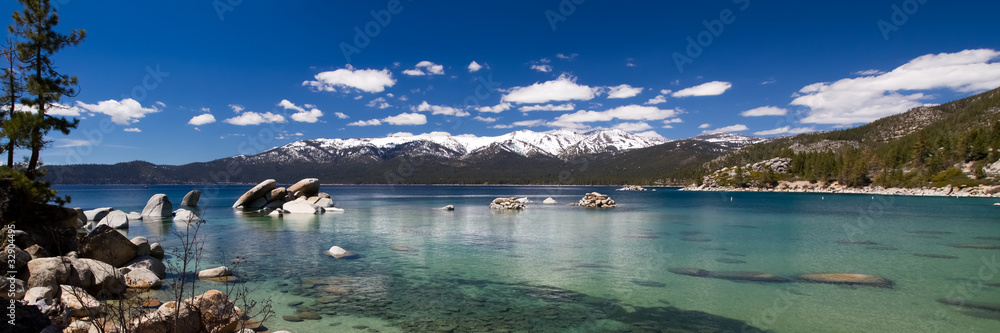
<point>557,144</point>
<point>729,140</point>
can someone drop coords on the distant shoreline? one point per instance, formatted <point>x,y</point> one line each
<point>971,192</point>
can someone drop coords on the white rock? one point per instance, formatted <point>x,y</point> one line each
<point>79,302</point>
<point>97,214</point>
<point>35,294</point>
<point>334,210</point>
<point>339,252</point>
<point>142,247</point>
<point>186,216</point>
<point>158,206</point>
<point>300,206</point>
<point>116,219</point>
<point>549,201</point>
<point>215,272</point>
<point>134,216</point>
<point>323,203</point>
<point>142,278</point>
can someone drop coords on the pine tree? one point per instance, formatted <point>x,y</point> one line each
<point>13,86</point>
<point>38,42</point>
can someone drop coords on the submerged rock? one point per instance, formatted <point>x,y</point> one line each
<point>340,253</point>
<point>215,272</point>
<point>848,279</point>
<point>977,246</point>
<point>729,275</point>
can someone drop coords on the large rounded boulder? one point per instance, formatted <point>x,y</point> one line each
<point>255,193</point>
<point>158,206</point>
<point>108,245</point>
<point>308,187</point>
<point>191,199</point>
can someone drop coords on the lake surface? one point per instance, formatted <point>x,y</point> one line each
<point>562,268</point>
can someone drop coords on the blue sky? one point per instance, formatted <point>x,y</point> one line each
<point>186,81</point>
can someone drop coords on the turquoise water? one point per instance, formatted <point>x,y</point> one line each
<point>563,268</point>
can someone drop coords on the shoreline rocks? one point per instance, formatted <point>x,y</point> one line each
<point>115,219</point>
<point>981,191</point>
<point>631,188</point>
<point>597,200</point>
<point>508,204</point>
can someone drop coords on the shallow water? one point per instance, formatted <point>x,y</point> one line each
<point>562,268</point>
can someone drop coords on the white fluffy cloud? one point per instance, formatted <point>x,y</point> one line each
<point>633,127</point>
<point>548,107</point>
<point>124,112</point>
<point>341,115</point>
<point>659,99</point>
<point>302,115</point>
<point>864,99</point>
<point>544,68</point>
<point>255,118</point>
<point>729,129</point>
<point>623,91</point>
<point>706,125</point>
<point>485,119</point>
<point>52,110</point>
<point>627,112</point>
<point>474,67</point>
<point>561,89</point>
<point>368,80</point>
<point>133,130</point>
<point>503,106</point>
<point>529,123</point>
<point>380,103</point>
<point>441,109</point>
<point>713,88</point>
<point>426,68</point>
<point>373,122</point>
<point>764,111</point>
<point>202,119</point>
<point>868,72</point>
<point>786,130</point>
<point>406,119</point>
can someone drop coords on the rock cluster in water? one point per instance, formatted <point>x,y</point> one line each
<point>303,197</point>
<point>828,278</point>
<point>597,200</point>
<point>508,203</point>
<point>631,188</point>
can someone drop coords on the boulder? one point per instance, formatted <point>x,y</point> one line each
<point>276,213</point>
<point>191,199</point>
<point>549,201</point>
<point>324,195</point>
<point>77,326</point>
<point>307,187</point>
<point>13,289</point>
<point>256,204</point>
<point>134,216</point>
<point>141,246</point>
<point>299,206</point>
<point>37,251</point>
<point>169,317</point>
<point>186,216</point>
<point>340,253</point>
<point>96,277</point>
<point>142,278</point>
<point>323,203</point>
<point>156,251</point>
<point>256,192</point>
<point>81,217</point>
<point>848,279</point>
<point>116,219</point>
<point>79,302</point>
<point>158,206</point>
<point>33,295</point>
<point>218,314</point>
<point>215,272</point>
<point>596,200</point>
<point>448,207</point>
<point>507,203</point>
<point>107,245</point>
<point>97,214</point>
<point>49,272</point>
<point>150,263</point>
<point>277,194</point>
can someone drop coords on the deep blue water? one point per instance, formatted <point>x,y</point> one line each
<point>563,268</point>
